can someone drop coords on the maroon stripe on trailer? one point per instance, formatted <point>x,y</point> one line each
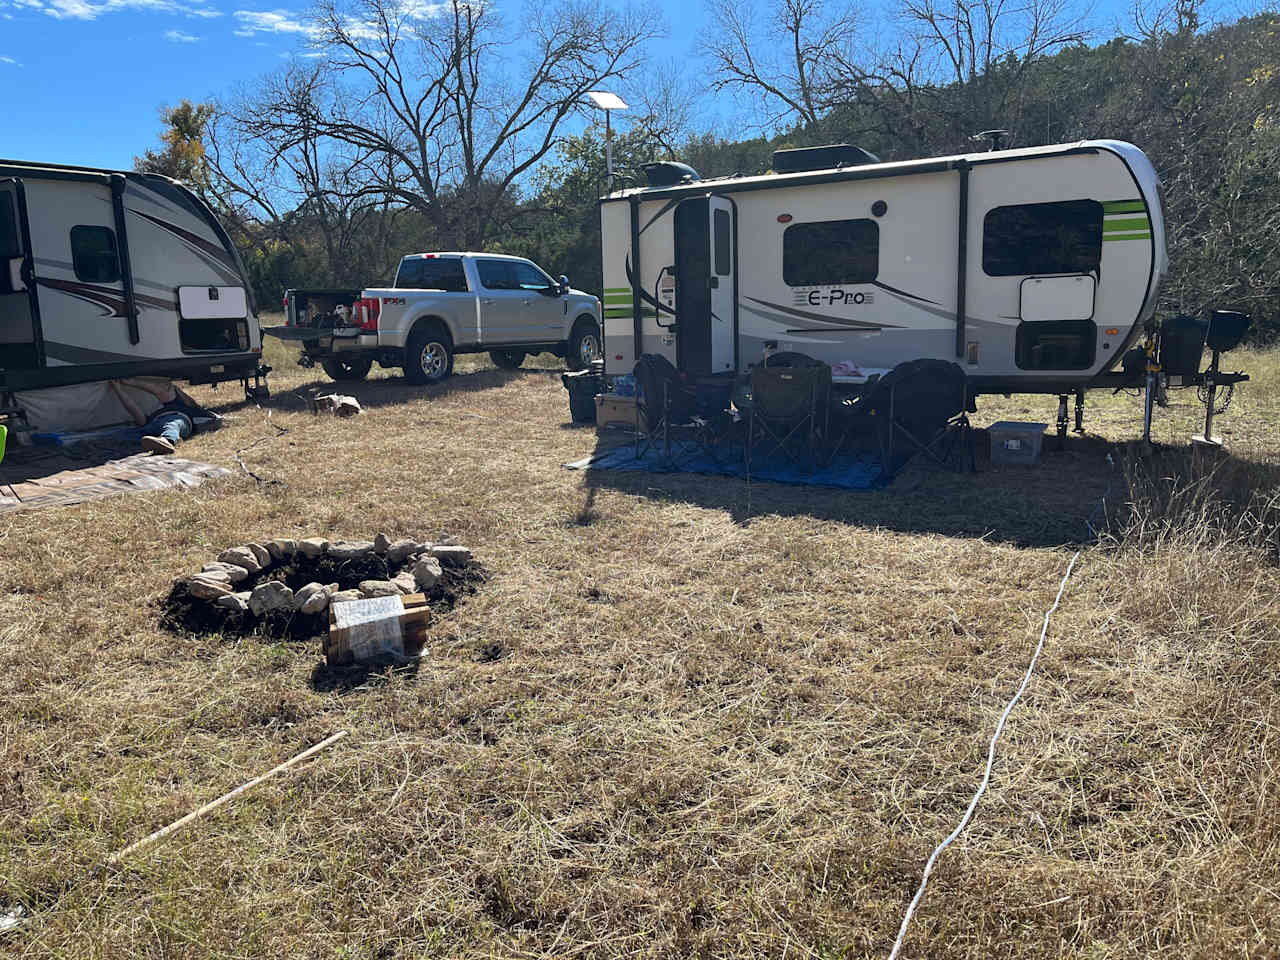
<point>108,297</point>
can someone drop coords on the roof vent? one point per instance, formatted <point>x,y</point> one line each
<point>669,173</point>
<point>821,158</point>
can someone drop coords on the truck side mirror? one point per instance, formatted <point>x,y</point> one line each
<point>564,284</point>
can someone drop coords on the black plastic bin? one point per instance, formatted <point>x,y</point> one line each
<point>1226,329</point>
<point>1181,345</point>
<point>583,385</point>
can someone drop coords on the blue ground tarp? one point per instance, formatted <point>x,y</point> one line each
<point>848,471</point>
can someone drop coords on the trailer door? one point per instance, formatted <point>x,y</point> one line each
<point>78,272</point>
<point>706,285</point>
<point>19,336</point>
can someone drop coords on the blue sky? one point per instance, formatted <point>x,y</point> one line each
<point>81,81</point>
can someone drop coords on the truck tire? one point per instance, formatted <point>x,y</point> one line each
<point>356,368</point>
<point>507,359</point>
<point>584,344</point>
<point>428,355</point>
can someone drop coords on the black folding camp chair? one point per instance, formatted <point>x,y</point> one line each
<point>917,408</point>
<point>788,413</point>
<point>667,418</point>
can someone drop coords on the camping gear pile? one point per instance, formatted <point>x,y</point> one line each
<point>370,600</point>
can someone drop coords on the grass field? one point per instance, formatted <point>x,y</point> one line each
<point>684,717</point>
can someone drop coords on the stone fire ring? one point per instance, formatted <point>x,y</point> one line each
<point>419,565</point>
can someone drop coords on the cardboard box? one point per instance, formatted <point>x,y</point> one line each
<point>615,411</point>
<point>377,628</point>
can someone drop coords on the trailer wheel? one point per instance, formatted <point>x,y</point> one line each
<point>507,359</point>
<point>356,369</point>
<point>428,355</point>
<point>584,344</point>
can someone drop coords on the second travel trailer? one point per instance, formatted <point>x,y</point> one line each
<point>1034,270</point>
<point>108,274</point>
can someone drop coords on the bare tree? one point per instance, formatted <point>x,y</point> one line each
<point>785,55</point>
<point>440,112</point>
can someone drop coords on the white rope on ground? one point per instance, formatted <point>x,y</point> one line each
<point>991,757</point>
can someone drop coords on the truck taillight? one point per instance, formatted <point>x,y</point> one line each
<point>367,313</point>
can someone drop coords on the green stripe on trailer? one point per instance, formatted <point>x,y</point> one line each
<point>1121,226</point>
<point>1123,206</point>
<point>1127,236</point>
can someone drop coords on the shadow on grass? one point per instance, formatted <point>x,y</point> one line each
<point>327,679</point>
<point>1044,505</point>
<point>387,391</point>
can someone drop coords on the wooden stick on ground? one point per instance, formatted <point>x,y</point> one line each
<point>213,804</point>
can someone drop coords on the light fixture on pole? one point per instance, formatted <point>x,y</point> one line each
<point>607,102</point>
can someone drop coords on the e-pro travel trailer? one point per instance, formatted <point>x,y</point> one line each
<point>1033,269</point>
<point>107,274</point>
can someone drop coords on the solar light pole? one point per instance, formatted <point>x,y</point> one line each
<point>607,102</point>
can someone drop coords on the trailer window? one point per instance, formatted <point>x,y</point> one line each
<point>432,273</point>
<point>93,254</point>
<point>10,245</point>
<point>1031,238</point>
<point>830,251</point>
<point>721,239</point>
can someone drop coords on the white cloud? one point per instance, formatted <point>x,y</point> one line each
<point>272,21</point>
<point>10,62</point>
<point>93,9</point>
<point>177,36</point>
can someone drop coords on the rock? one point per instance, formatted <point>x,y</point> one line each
<point>318,602</point>
<point>353,550</point>
<point>241,557</point>
<point>381,544</point>
<point>330,588</point>
<point>342,596</point>
<point>303,594</point>
<point>218,575</point>
<point>281,549</point>
<point>378,588</point>
<point>271,597</point>
<point>238,602</point>
<point>402,550</point>
<point>427,572</point>
<point>312,546</point>
<point>450,553</point>
<point>203,588</point>
<point>235,573</point>
<point>261,553</point>
<point>405,582</point>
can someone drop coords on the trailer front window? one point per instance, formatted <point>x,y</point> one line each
<point>1036,238</point>
<point>93,254</point>
<point>830,252</point>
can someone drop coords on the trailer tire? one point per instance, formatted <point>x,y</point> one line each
<point>428,354</point>
<point>507,359</point>
<point>355,369</point>
<point>584,344</point>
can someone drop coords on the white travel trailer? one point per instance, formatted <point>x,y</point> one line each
<point>1033,269</point>
<point>107,274</point>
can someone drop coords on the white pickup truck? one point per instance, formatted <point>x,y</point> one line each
<point>443,304</point>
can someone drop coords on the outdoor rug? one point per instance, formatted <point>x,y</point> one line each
<point>37,477</point>
<point>855,471</point>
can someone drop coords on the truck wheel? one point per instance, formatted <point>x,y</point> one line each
<point>354,369</point>
<point>584,344</point>
<point>507,359</point>
<point>428,356</point>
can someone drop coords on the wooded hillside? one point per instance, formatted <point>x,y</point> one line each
<point>404,138</point>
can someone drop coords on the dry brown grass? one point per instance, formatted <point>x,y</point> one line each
<point>724,723</point>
